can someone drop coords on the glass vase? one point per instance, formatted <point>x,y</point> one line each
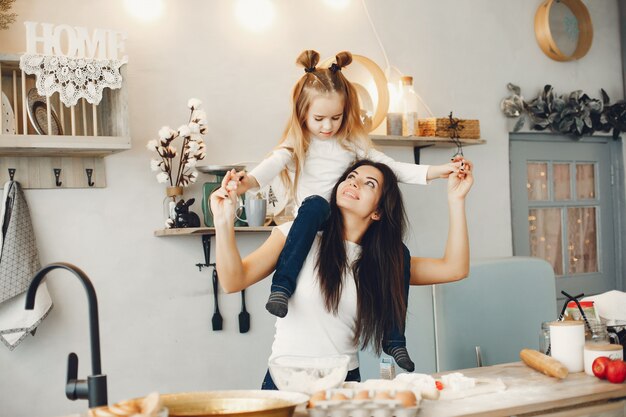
<point>172,196</point>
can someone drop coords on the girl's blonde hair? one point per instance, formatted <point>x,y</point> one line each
<point>351,134</point>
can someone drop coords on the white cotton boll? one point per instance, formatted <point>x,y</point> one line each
<point>193,147</point>
<point>194,127</point>
<point>184,130</point>
<point>162,177</point>
<point>194,103</point>
<point>152,145</point>
<point>191,162</point>
<point>193,176</point>
<point>155,165</point>
<point>165,132</point>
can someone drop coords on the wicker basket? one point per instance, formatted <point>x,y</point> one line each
<point>469,129</point>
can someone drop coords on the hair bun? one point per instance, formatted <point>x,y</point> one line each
<point>343,59</point>
<point>308,59</point>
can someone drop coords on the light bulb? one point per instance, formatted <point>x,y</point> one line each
<point>338,4</point>
<point>145,9</point>
<point>255,15</point>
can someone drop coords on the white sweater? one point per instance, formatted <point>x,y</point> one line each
<point>325,161</point>
<point>309,329</point>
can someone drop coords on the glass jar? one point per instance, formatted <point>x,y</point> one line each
<point>544,337</point>
<point>172,196</point>
<point>598,334</point>
<point>409,103</point>
<point>573,312</point>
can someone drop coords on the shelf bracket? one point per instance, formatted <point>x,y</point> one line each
<point>416,152</point>
<point>206,246</point>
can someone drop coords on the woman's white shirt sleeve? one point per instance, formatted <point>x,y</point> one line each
<point>407,173</point>
<point>271,166</point>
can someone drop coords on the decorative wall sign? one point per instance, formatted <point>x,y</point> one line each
<point>70,61</point>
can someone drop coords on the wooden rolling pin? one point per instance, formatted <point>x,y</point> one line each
<point>543,363</point>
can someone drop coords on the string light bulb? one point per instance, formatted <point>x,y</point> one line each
<point>145,9</point>
<point>255,15</point>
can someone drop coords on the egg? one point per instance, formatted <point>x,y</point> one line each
<point>339,397</point>
<point>362,395</point>
<point>382,395</point>
<point>318,396</point>
<point>406,398</point>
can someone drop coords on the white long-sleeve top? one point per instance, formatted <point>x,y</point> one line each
<point>325,161</point>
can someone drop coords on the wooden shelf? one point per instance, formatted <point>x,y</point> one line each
<point>61,145</point>
<point>198,231</point>
<point>422,141</point>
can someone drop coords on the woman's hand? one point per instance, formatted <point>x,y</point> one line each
<point>224,200</point>
<point>460,184</point>
<point>444,170</point>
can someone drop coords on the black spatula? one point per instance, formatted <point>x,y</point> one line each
<point>244,316</point>
<point>216,320</point>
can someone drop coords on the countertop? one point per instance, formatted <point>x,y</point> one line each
<point>529,392</point>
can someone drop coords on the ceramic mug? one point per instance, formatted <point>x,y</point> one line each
<point>256,209</point>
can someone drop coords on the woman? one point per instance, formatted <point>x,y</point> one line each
<point>350,289</point>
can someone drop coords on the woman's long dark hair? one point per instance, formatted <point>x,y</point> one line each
<point>378,272</point>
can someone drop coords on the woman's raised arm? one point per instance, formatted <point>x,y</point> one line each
<point>455,262</point>
<point>235,273</point>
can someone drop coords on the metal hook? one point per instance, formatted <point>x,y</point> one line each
<point>57,176</point>
<point>11,173</point>
<point>89,174</point>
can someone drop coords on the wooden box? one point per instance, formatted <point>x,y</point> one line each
<point>439,127</point>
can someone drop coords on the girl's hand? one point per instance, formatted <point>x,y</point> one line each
<point>245,182</point>
<point>460,184</point>
<point>224,200</point>
<point>444,170</point>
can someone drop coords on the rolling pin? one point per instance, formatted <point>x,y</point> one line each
<point>543,363</point>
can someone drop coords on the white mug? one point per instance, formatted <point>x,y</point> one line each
<point>256,209</point>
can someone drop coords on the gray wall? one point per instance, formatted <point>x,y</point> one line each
<point>155,306</point>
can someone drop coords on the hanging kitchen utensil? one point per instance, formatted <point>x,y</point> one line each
<point>244,316</point>
<point>216,320</point>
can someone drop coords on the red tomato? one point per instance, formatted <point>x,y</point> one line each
<point>599,366</point>
<point>439,385</point>
<point>616,371</point>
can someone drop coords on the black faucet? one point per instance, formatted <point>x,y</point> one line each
<point>95,388</point>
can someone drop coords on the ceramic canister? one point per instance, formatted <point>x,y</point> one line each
<point>595,350</point>
<point>567,339</point>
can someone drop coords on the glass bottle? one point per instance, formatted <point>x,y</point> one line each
<point>172,196</point>
<point>408,100</point>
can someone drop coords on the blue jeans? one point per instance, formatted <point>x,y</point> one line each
<point>312,216</point>
<point>268,382</point>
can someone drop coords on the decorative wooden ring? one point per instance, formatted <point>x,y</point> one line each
<point>544,34</point>
<point>382,104</point>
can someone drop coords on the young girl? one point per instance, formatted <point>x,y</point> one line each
<point>350,287</point>
<point>323,137</point>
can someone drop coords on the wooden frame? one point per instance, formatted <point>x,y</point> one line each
<point>544,36</point>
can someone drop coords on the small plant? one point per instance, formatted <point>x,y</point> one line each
<point>574,114</point>
<point>180,172</point>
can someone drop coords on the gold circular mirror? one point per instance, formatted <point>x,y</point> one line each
<point>563,29</point>
<point>371,86</point>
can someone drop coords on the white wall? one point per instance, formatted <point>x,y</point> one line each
<point>155,306</point>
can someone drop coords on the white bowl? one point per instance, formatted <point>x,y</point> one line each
<point>308,374</point>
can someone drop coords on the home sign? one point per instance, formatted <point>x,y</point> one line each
<point>74,42</point>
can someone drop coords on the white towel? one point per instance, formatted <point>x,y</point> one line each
<point>19,261</point>
<point>611,306</point>
<point>16,322</point>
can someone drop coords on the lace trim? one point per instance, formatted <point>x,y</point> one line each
<point>72,78</point>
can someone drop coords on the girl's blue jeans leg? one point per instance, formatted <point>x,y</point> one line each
<point>395,337</point>
<point>312,215</point>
